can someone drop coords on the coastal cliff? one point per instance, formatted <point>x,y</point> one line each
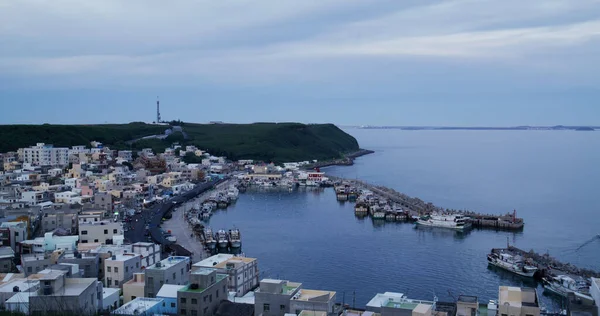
<point>277,142</point>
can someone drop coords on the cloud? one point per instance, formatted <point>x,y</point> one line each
<point>248,42</point>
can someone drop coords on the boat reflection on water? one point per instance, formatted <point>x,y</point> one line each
<point>441,232</point>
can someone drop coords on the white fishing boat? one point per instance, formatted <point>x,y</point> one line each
<point>222,240</point>
<point>235,238</point>
<point>563,285</point>
<point>455,221</point>
<point>514,264</point>
<point>210,241</point>
<point>232,193</point>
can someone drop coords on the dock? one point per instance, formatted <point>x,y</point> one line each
<point>415,207</point>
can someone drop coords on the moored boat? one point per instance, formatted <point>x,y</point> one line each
<point>563,285</point>
<point>210,241</point>
<point>235,238</point>
<point>514,264</point>
<point>456,222</point>
<point>222,240</point>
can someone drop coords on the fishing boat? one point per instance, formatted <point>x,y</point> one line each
<point>514,264</point>
<point>563,285</point>
<point>235,238</point>
<point>232,193</point>
<point>361,208</point>
<point>222,240</point>
<point>222,203</point>
<point>456,222</point>
<point>210,241</point>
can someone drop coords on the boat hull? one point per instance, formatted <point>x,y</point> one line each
<point>223,244</point>
<point>439,225</point>
<point>509,267</point>
<point>211,245</point>
<point>236,243</point>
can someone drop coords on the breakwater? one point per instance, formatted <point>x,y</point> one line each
<point>347,160</point>
<point>415,207</point>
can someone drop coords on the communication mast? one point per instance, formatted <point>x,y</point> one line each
<point>157,110</point>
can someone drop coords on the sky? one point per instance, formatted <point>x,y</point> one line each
<point>409,62</point>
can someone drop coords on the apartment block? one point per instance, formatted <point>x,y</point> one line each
<point>46,155</point>
<point>515,301</point>
<point>62,295</point>
<point>172,270</point>
<point>141,306</point>
<point>242,272</point>
<point>64,220</point>
<point>100,232</point>
<point>168,292</point>
<point>273,297</point>
<point>397,304</point>
<point>120,268</point>
<point>150,252</point>
<point>204,293</point>
<point>13,233</point>
<point>313,300</point>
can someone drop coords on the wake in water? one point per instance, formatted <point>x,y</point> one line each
<point>588,242</point>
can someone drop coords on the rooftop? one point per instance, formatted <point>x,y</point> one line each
<point>467,299</point>
<point>23,284</point>
<point>169,290</point>
<point>313,295</point>
<point>20,298</point>
<point>382,299</point>
<point>108,291</point>
<point>168,262</point>
<point>123,257</point>
<point>213,261</point>
<point>137,306</point>
<point>312,313</point>
<point>187,288</point>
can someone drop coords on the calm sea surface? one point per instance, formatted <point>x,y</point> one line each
<point>552,179</point>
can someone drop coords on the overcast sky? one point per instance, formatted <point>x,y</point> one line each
<point>397,62</point>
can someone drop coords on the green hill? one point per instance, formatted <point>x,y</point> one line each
<point>263,141</point>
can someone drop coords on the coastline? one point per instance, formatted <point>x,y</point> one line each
<point>348,160</point>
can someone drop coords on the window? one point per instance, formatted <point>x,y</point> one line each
<point>105,231</point>
<point>108,269</point>
<point>217,296</point>
<point>182,311</point>
<point>174,275</point>
<point>95,240</point>
<point>116,269</point>
<point>205,310</point>
<point>282,308</point>
<point>126,269</point>
<point>116,282</point>
<point>150,294</point>
<point>84,241</point>
<point>504,315</point>
<point>84,232</point>
<point>114,231</point>
<point>29,269</point>
<point>182,300</point>
<point>109,282</point>
<point>181,271</point>
<point>137,264</point>
<point>194,312</point>
<point>194,301</point>
<point>266,307</point>
<point>210,300</point>
<point>172,305</point>
<point>133,297</point>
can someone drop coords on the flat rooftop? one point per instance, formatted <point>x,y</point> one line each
<point>168,262</point>
<point>137,306</point>
<point>23,284</point>
<point>187,288</point>
<point>381,299</point>
<point>213,261</point>
<point>312,313</point>
<point>169,290</point>
<point>123,257</point>
<point>314,295</point>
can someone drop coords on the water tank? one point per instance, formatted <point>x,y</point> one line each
<point>16,289</point>
<point>194,286</point>
<point>158,265</point>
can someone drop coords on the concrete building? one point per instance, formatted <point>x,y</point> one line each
<point>89,263</point>
<point>172,270</point>
<point>119,269</point>
<point>125,154</point>
<point>467,305</point>
<point>36,262</point>
<point>7,290</point>
<point>35,197</point>
<point>581,305</point>
<point>66,220</point>
<point>7,256</point>
<point>59,294</point>
<point>515,301</point>
<point>110,299</point>
<point>16,232</point>
<point>243,272</point>
<point>595,292</point>
<point>168,292</point>
<point>313,300</point>
<point>100,232</point>
<point>273,297</point>
<point>103,200</point>
<point>134,288</point>
<point>49,242</point>
<point>204,293</point>
<point>141,306</point>
<point>397,304</point>
<point>46,155</point>
<point>150,252</point>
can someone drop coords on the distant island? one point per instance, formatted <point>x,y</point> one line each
<point>483,128</point>
<point>276,142</point>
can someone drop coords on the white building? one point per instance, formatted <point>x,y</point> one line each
<point>120,269</point>
<point>242,271</point>
<point>46,155</point>
<point>172,270</point>
<point>100,232</point>
<point>150,252</point>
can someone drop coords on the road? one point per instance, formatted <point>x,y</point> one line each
<point>153,215</point>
